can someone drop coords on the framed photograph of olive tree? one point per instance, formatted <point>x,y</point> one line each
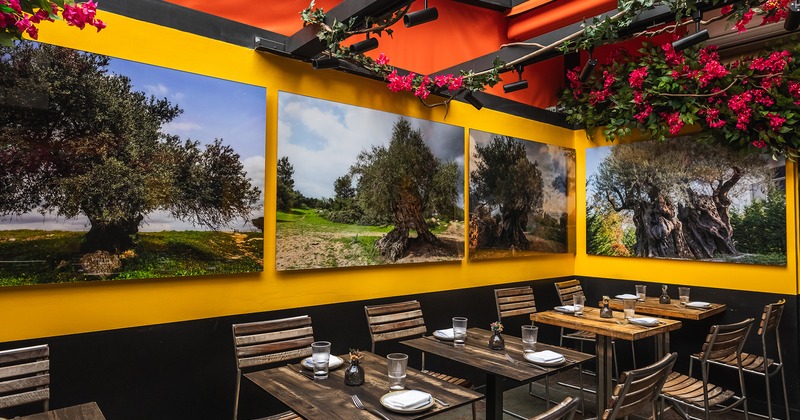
<point>521,196</point>
<point>112,169</point>
<point>359,187</point>
<point>685,199</point>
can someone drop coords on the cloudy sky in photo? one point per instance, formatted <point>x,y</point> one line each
<point>322,139</point>
<point>212,108</point>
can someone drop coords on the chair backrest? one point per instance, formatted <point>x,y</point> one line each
<point>265,342</point>
<point>394,320</point>
<point>513,301</point>
<point>568,288</point>
<point>565,410</point>
<point>771,317</point>
<point>725,340</point>
<point>25,376</point>
<point>639,388</point>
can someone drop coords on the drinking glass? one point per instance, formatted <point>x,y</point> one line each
<point>459,331</point>
<point>578,301</point>
<point>641,292</point>
<point>320,357</point>
<point>683,293</point>
<point>529,335</point>
<point>397,362</point>
<point>629,307</point>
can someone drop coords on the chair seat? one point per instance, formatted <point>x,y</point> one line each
<point>690,390</point>
<point>750,362</point>
<point>450,379</point>
<point>286,415</point>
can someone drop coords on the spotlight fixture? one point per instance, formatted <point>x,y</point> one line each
<point>518,85</point>
<point>588,69</point>
<point>792,21</point>
<point>368,44</point>
<point>473,100</point>
<point>325,63</point>
<point>422,16</point>
<point>691,40</point>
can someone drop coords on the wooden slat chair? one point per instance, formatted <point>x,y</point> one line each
<point>394,321</point>
<point>518,301</point>
<point>565,410</point>
<point>762,365</point>
<point>700,394</point>
<point>262,343</point>
<point>639,389</point>
<point>25,376</point>
<point>567,289</point>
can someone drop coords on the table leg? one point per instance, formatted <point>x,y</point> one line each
<point>662,345</point>
<point>494,397</point>
<point>604,357</point>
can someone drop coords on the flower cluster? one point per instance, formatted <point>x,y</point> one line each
<point>496,327</point>
<point>18,17</point>
<point>355,354</point>
<point>423,86</point>
<point>753,103</point>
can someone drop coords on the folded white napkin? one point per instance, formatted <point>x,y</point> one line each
<point>545,356</point>
<point>698,304</point>
<point>447,333</point>
<point>650,322</point>
<point>408,400</point>
<point>626,296</point>
<point>565,308</point>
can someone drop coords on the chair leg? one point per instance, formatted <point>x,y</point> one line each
<point>474,412</point>
<point>785,395</point>
<point>769,391</point>
<point>236,399</point>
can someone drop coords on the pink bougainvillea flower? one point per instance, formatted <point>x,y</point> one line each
<point>637,77</point>
<point>775,121</point>
<point>456,83</point>
<point>746,18</point>
<point>382,60</point>
<point>759,144</point>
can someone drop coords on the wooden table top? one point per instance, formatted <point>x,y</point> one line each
<point>651,306</point>
<point>616,327</point>
<point>476,353</point>
<point>330,398</point>
<point>86,411</point>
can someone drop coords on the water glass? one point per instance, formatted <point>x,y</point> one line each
<point>641,292</point>
<point>629,307</point>
<point>683,293</point>
<point>578,302</point>
<point>320,357</point>
<point>529,335</point>
<point>397,362</point>
<point>459,331</point>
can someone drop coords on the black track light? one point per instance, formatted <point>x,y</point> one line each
<point>792,21</point>
<point>588,69</point>
<point>690,40</point>
<point>518,85</point>
<point>325,63</point>
<point>368,44</point>
<point>422,16</point>
<point>473,100</point>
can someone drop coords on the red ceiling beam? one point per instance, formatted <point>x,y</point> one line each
<point>527,21</point>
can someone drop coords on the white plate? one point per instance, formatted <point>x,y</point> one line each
<point>567,309</point>
<point>333,363</point>
<point>626,296</point>
<point>698,304</point>
<point>404,410</point>
<point>647,322</point>
<point>531,357</point>
<point>443,335</point>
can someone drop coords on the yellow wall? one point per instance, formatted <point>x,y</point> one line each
<point>41,311</point>
<point>771,279</point>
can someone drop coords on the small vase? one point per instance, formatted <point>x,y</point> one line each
<point>496,342</point>
<point>354,375</point>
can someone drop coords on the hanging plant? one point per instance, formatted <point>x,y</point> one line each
<point>18,17</point>
<point>750,103</point>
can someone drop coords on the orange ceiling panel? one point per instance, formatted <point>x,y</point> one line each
<point>554,15</point>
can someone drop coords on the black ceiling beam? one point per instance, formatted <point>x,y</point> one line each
<point>305,44</point>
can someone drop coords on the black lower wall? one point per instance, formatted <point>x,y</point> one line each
<point>186,369</point>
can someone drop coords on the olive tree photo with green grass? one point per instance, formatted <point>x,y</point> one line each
<point>686,199</point>
<point>360,187</point>
<point>111,169</point>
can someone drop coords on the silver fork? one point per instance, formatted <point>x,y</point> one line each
<point>517,362</point>
<point>359,405</point>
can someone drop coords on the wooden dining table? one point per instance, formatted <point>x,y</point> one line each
<point>86,411</point>
<point>331,399</point>
<point>476,353</point>
<point>606,330</point>
<point>674,309</point>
